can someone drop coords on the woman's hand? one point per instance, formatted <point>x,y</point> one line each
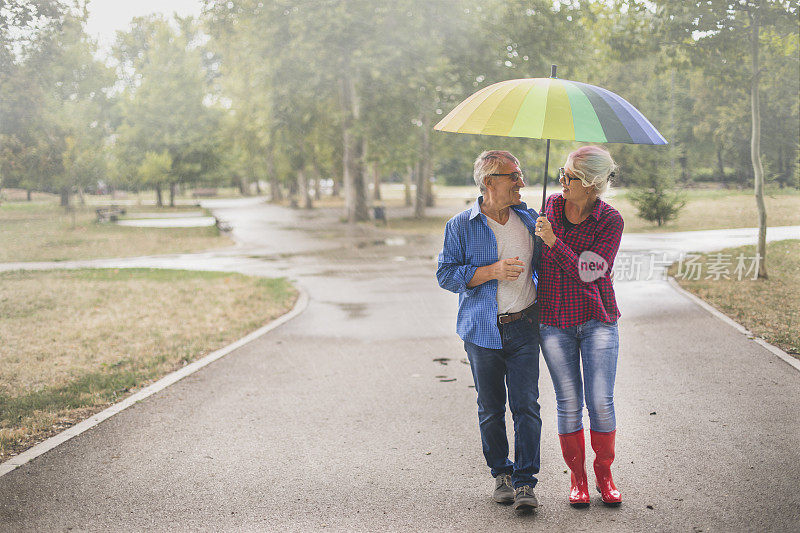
<point>544,230</point>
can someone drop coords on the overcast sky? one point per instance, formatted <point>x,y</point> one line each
<point>108,16</point>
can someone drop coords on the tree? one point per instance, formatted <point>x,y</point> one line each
<point>163,107</point>
<point>21,24</point>
<point>655,202</point>
<point>56,122</point>
<point>713,31</point>
<point>154,171</point>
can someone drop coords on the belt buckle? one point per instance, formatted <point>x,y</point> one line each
<point>501,317</point>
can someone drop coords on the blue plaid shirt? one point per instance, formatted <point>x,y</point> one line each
<point>470,243</point>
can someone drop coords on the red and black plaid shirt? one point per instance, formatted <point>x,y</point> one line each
<point>566,300</point>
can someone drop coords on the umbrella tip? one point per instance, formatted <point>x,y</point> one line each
<point>553,70</point>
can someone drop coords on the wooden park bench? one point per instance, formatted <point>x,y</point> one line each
<point>204,193</point>
<point>109,214</point>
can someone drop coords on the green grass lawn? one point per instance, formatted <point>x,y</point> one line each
<point>704,210</point>
<point>770,308</point>
<point>43,231</point>
<point>717,209</point>
<point>76,341</point>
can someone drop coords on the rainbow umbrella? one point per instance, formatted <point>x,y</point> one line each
<point>551,108</point>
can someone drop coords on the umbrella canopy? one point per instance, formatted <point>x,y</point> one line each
<point>551,108</point>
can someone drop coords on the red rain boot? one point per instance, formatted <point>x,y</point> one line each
<point>572,448</point>
<point>603,446</point>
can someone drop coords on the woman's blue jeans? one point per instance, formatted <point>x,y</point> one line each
<point>595,345</point>
<point>516,365</point>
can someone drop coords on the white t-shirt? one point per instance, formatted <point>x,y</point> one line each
<point>514,240</point>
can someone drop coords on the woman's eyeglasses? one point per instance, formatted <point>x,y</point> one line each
<point>562,174</point>
<point>514,176</point>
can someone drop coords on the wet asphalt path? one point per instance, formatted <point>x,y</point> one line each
<point>340,419</point>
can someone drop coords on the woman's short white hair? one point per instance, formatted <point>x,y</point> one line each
<point>489,162</point>
<point>593,165</point>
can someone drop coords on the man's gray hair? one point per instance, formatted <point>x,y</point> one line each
<point>489,162</point>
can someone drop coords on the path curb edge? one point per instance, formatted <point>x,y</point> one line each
<point>793,362</point>
<point>166,381</point>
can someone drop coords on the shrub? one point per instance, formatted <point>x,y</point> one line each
<point>657,204</point>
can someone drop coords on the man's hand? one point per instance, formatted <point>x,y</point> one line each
<point>503,270</point>
<point>508,269</point>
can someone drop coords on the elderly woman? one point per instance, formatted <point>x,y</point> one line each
<point>579,314</point>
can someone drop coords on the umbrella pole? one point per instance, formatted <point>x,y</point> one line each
<point>544,185</point>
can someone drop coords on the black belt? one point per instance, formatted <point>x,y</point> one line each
<point>507,318</point>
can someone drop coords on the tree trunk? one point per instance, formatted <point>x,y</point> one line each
<point>275,190</point>
<point>684,162</point>
<point>302,187</point>
<point>274,185</point>
<point>317,184</point>
<point>172,191</point>
<point>673,129</point>
<point>159,199</point>
<point>429,198</point>
<point>81,196</point>
<point>352,151</point>
<point>65,197</point>
<point>29,194</point>
<point>293,193</point>
<point>347,150</point>
<point>720,164</point>
<point>419,197</point>
<point>407,185</point>
<point>427,161</point>
<point>242,186</point>
<point>376,181</point>
<point>755,147</point>
<point>360,182</point>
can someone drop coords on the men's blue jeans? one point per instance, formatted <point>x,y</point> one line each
<point>595,345</point>
<point>516,366</point>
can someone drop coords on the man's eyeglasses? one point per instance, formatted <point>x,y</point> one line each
<point>514,176</point>
<point>562,174</point>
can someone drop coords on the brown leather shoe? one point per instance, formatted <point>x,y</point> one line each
<point>503,490</point>
<point>525,499</point>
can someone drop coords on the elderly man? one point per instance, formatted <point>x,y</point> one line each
<point>488,259</point>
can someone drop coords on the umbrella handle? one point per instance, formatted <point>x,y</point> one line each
<point>547,154</point>
<point>544,185</point>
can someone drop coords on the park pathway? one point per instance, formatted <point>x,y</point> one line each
<point>358,415</point>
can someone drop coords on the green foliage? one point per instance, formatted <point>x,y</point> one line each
<point>656,204</point>
<point>53,122</point>
<point>271,90</point>
<point>162,108</point>
<point>652,188</point>
<point>155,169</point>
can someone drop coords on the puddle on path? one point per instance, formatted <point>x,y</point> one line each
<point>353,310</point>
<point>391,241</point>
<point>188,222</point>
